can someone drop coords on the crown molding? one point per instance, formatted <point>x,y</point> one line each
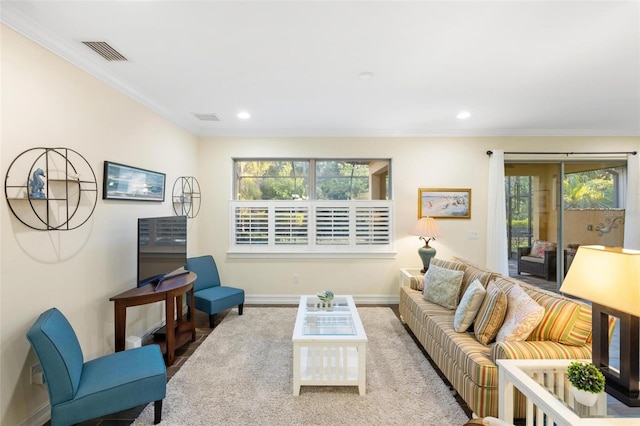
<point>13,18</point>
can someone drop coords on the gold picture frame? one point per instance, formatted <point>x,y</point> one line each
<point>444,203</point>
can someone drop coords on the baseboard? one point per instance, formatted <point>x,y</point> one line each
<point>295,299</point>
<point>40,417</point>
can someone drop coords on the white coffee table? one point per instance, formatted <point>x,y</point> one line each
<point>329,346</point>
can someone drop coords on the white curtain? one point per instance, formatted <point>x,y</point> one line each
<point>632,208</point>
<point>497,251</point>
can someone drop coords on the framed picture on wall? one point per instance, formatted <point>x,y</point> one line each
<point>123,182</point>
<point>444,203</point>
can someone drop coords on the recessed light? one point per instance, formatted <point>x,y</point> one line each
<point>463,115</point>
<point>244,115</point>
<point>365,75</point>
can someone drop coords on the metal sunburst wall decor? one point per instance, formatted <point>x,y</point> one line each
<point>186,196</point>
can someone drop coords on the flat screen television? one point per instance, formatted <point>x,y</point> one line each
<point>162,247</point>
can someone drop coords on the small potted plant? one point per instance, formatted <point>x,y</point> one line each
<point>587,381</point>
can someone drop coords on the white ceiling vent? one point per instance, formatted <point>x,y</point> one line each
<point>103,49</point>
<point>207,117</point>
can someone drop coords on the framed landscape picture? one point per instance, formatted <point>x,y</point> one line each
<point>132,183</point>
<point>444,203</point>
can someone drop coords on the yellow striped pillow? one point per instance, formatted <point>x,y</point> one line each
<point>561,322</point>
<point>491,314</point>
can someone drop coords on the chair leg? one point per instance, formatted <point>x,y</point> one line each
<point>211,318</point>
<point>240,307</point>
<point>157,412</point>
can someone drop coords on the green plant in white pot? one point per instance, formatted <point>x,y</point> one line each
<point>587,380</point>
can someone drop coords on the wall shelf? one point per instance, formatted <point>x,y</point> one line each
<point>68,202</point>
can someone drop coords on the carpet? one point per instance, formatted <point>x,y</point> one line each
<point>242,374</point>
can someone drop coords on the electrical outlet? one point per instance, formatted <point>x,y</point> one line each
<point>37,376</point>
<point>473,235</point>
<point>296,279</point>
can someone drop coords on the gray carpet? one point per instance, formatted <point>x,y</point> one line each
<point>242,374</point>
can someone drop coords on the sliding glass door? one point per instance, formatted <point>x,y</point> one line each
<point>560,205</point>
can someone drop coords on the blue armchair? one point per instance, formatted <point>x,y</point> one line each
<point>80,391</point>
<point>210,296</point>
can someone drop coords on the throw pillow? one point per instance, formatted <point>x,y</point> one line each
<point>491,314</point>
<point>442,285</point>
<point>523,315</point>
<point>560,319</point>
<point>469,305</point>
<point>538,248</point>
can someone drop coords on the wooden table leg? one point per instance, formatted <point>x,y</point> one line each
<point>193,317</point>
<point>171,329</point>
<point>120,312</point>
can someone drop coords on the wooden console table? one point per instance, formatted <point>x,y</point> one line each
<point>170,292</point>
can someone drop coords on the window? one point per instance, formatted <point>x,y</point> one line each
<point>592,189</point>
<point>307,205</point>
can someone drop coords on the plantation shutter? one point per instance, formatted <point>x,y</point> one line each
<point>291,225</point>
<point>251,225</point>
<point>372,225</point>
<point>332,225</point>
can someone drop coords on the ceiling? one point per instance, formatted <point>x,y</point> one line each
<point>518,67</point>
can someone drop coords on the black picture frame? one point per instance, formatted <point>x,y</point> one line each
<point>122,182</point>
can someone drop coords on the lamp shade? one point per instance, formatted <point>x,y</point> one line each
<point>606,275</point>
<point>426,227</point>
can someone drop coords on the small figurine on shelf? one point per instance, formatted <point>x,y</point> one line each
<point>325,296</point>
<point>37,184</point>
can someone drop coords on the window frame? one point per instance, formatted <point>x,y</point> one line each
<point>361,228</point>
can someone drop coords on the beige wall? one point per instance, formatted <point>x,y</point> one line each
<point>576,232</point>
<point>416,162</point>
<point>48,102</point>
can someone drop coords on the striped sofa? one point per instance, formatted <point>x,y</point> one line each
<point>565,332</point>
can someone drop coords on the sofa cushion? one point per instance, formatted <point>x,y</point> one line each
<point>523,315</point>
<point>448,264</point>
<point>565,320</point>
<point>540,246</point>
<point>491,314</point>
<point>474,272</point>
<point>534,259</point>
<point>442,286</point>
<point>538,350</point>
<point>468,308</point>
<point>417,283</point>
<point>461,351</point>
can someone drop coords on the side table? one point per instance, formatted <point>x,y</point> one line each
<point>170,292</point>
<point>407,274</point>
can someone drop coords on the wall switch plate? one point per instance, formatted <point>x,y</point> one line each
<point>296,278</point>
<point>473,235</point>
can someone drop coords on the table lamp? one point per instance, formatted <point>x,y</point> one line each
<point>427,229</point>
<point>610,279</point>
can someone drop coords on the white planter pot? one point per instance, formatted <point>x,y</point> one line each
<point>584,397</point>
